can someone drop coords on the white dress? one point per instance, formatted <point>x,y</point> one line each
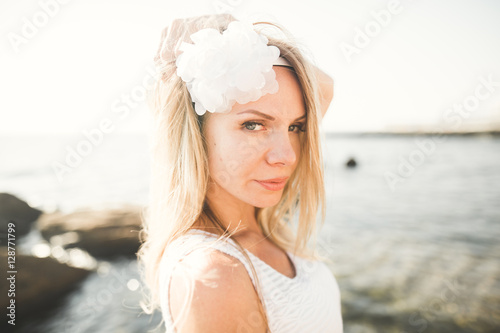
<point>309,302</point>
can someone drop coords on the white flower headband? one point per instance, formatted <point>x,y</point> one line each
<point>222,69</point>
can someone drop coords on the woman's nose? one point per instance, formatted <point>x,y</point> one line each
<point>281,149</point>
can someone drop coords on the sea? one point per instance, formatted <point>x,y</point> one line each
<point>412,231</point>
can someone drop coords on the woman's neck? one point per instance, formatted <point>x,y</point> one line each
<point>234,215</point>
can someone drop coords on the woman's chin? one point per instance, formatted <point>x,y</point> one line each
<point>268,200</point>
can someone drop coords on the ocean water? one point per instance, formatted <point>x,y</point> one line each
<point>412,231</point>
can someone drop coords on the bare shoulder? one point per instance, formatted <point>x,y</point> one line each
<point>211,291</point>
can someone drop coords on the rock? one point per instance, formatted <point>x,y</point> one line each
<point>351,163</point>
<point>12,209</point>
<point>102,233</point>
<point>38,284</point>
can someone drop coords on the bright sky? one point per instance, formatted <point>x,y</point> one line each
<point>77,66</point>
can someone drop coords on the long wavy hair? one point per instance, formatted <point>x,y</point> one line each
<point>180,174</point>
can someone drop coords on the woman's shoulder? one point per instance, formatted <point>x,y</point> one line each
<point>200,256</point>
<point>211,289</point>
<point>195,239</point>
<point>200,248</point>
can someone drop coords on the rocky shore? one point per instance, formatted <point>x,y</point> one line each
<point>43,274</point>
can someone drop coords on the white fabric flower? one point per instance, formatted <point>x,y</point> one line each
<point>222,69</point>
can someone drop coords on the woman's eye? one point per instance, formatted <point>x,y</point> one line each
<point>255,126</point>
<point>300,127</point>
<point>251,125</point>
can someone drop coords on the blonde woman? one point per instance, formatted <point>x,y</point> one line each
<point>236,157</point>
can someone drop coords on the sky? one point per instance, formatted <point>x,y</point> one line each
<point>73,66</point>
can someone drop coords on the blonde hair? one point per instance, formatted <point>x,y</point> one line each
<point>180,174</point>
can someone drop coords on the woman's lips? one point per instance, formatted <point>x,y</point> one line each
<point>275,184</point>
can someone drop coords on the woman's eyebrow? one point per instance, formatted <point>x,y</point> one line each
<point>263,115</point>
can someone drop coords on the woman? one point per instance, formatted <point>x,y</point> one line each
<point>236,154</point>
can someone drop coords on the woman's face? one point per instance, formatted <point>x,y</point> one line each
<point>255,142</point>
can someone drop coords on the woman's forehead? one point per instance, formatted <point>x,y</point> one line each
<point>287,103</point>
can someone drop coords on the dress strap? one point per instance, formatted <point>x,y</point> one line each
<point>194,239</point>
<point>225,245</point>
<point>200,239</point>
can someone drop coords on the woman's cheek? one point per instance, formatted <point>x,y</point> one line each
<point>247,150</point>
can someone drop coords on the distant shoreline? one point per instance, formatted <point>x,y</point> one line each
<point>327,133</point>
<point>365,134</point>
